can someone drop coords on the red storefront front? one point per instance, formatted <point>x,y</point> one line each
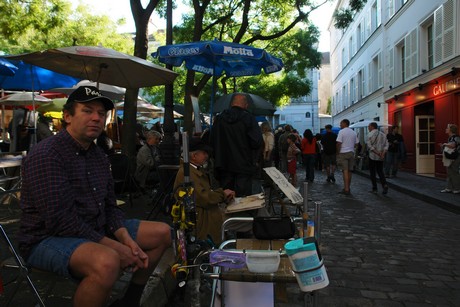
<point>422,113</point>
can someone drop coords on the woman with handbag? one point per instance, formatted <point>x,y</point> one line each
<point>451,159</point>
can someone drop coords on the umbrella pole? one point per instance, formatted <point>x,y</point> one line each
<point>213,94</point>
<point>34,134</point>
<point>3,119</point>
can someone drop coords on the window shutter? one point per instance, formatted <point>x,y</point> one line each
<point>414,53</point>
<point>357,95</point>
<point>364,86</point>
<point>437,37</point>
<point>407,56</point>
<point>391,67</point>
<point>411,55</point>
<point>448,30</point>
<point>370,83</point>
<point>391,8</point>
<point>368,23</point>
<point>379,71</point>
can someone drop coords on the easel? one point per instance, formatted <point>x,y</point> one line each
<point>281,186</point>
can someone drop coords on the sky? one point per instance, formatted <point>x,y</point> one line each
<point>121,8</point>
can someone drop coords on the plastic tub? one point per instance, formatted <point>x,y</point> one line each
<point>262,261</point>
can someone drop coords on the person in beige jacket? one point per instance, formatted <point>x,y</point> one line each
<point>207,199</point>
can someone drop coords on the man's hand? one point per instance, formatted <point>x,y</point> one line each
<point>229,195</point>
<point>141,260</point>
<point>132,257</point>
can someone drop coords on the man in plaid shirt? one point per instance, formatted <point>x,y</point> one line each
<point>70,223</point>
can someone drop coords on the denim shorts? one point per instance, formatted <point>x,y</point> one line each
<point>53,253</point>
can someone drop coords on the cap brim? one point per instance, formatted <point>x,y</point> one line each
<point>108,103</point>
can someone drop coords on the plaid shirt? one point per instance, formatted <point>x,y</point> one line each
<point>67,192</point>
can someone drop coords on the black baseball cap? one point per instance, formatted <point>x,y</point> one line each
<point>89,93</point>
<point>198,144</point>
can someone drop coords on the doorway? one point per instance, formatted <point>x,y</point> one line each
<point>425,144</point>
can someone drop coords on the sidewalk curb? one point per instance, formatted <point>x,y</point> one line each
<point>161,284</point>
<point>424,197</point>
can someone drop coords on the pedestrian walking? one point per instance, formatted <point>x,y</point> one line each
<point>283,146</point>
<point>291,155</point>
<point>309,154</point>
<point>377,145</point>
<point>452,159</point>
<point>347,140</point>
<point>329,153</point>
<point>269,143</point>
<point>394,154</point>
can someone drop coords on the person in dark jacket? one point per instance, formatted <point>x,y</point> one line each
<point>329,152</point>
<point>237,140</point>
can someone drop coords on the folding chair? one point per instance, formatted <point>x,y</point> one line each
<point>123,179</point>
<point>23,273</point>
<point>10,178</point>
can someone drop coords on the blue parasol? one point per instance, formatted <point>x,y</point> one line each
<point>29,77</point>
<point>217,57</point>
<point>7,68</point>
<point>32,78</point>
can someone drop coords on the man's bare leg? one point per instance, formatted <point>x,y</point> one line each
<point>99,267</point>
<point>153,238</point>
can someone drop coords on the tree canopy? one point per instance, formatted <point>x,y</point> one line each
<point>281,28</point>
<point>344,16</point>
<point>27,26</point>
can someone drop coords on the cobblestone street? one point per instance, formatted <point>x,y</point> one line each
<point>393,250</point>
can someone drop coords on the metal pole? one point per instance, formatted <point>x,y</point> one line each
<point>318,221</point>
<point>305,209</point>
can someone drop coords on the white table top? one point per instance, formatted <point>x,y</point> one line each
<point>10,161</point>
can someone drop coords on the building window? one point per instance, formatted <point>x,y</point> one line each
<point>375,71</point>
<point>391,8</point>
<point>352,91</point>
<point>351,51</point>
<point>399,64</point>
<point>368,21</point>
<point>359,37</point>
<point>429,45</point>
<point>402,58</point>
<point>426,52</point>
<point>374,17</point>
<point>344,96</point>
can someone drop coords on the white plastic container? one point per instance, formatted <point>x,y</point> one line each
<point>262,261</point>
<point>306,263</point>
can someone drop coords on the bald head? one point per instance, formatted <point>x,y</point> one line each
<point>239,100</point>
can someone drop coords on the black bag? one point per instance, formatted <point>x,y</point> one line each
<point>451,155</point>
<point>272,228</point>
